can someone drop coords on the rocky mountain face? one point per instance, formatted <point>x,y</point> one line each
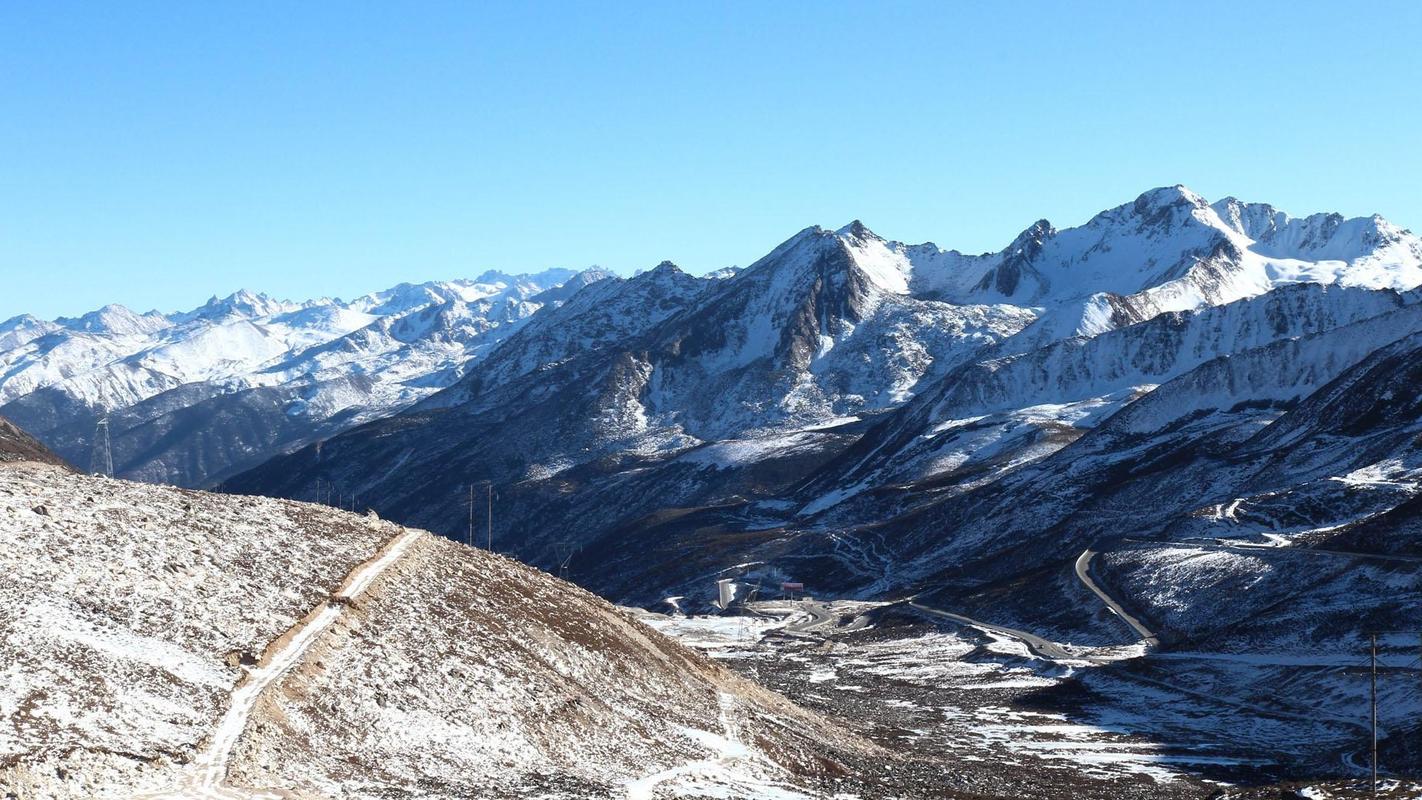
<point>193,396</point>
<point>867,414</point>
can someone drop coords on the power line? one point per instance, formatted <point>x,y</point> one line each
<point>566,549</point>
<point>101,462</point>
<point>469,538</point>
<point>1374,693</point>
<point>489,499</point>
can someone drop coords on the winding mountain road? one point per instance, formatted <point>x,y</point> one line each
<point>1260,549</point>
<point>1046,648</point>
<point>821,616</point>
<point>1085,574</point>
<point>1042,648</point>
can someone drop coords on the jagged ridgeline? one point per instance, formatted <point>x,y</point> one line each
<point>849,383</point>
<point>1172,450</point>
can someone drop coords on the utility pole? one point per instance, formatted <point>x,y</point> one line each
<point>1375,714</point>
<point>490,486</point>
<point>469,539</point>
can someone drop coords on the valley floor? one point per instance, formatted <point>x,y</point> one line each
<point>980,713</point>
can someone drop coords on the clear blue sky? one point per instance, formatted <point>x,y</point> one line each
<point>157,154</point>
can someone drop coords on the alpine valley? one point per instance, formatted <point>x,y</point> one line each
<point>1105,513</point>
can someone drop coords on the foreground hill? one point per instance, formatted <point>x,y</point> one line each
<point>16,445</point>
<point>163,643</point>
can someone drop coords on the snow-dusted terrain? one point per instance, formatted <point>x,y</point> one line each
<point>17,445</point>
<point>1129,493</point>
<point>1119,412</point>
<point>830,324</point>
<point>171,643</point>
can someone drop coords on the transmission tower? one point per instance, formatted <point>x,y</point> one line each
<point>566,550</point>
<point>101,462</point>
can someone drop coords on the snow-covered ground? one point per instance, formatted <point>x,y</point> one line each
<point>171,643</point>
<point>974,702</point>
<point>567,697</point>
<point>127,610</point>
<point>992,713</point>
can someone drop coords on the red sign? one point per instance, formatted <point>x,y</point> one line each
<point>792,587</point>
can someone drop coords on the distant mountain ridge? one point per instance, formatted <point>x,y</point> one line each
<point>830,327</point>
<point>846,382</point>
<point>193,395</point>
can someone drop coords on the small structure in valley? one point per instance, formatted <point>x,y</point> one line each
<point>725,593</point>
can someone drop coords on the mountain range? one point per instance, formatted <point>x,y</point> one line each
<point>191,397</point>
<point>811,413</point>
<point>1181,426</point>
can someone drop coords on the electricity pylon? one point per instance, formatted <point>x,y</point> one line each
<point>101,461</point>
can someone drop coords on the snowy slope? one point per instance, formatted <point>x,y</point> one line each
<point>132,613</point>
<point>123,603</point>
<point>1170,250</point>
<point>1148,463</point>
<point>1165,384</point>
<point>1042,399</point>
<point>16,445</point>
<point>814,332</point>
<point>611,312</point>
<point>830,325</point>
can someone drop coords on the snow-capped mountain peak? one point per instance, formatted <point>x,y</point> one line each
<point>1015,268</point>
<point>883,263</point>
<point>23,329</point>
<point>1178,196</point>
<point>857,230</point>
<point>661,271</point>
<point>117,320</point>
<point>243,303</point>
<point>287,369</point>
<point>1372,250</point>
